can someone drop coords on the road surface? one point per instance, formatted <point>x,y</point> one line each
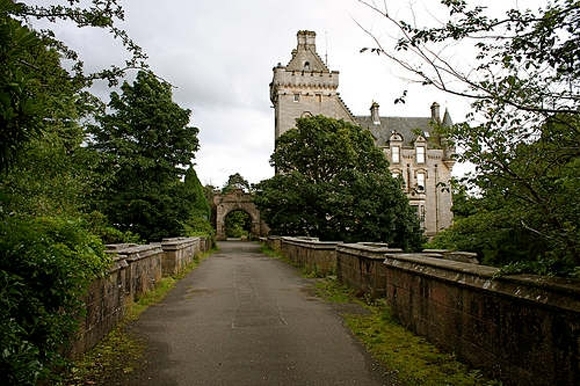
<point>242,318</point>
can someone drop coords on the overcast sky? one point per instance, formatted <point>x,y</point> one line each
<point>219,55</point>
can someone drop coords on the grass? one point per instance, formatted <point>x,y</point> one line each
<point>120,352</point>
<point>415,361</point>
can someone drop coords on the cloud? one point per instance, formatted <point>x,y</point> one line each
<point>219,56</point>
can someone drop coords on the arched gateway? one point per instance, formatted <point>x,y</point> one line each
<point>233,201</point>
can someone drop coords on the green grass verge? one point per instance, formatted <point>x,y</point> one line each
<point>120,352</point>
<point>415,361</point>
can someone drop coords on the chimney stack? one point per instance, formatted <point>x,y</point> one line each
<point>375,113</point>
<point>307,39</point>
<point>435,112</point>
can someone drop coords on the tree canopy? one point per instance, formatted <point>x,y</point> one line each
<point>49,253</point>
<point>332,182</point>
<point>523,132</point>
<point>236,182</point>
<point>51,183</point>
<point>145,146</point>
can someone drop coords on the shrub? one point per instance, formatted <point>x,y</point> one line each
<point>46,265</point>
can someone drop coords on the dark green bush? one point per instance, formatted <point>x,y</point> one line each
<point>46,265</point>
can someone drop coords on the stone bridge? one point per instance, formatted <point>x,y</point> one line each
<point>520,329</point>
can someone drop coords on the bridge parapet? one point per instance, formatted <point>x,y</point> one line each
<point>136,269</point>
<point>315,256</point>
<point>521,329</point>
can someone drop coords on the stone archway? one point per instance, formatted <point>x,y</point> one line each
<point>233,201</point>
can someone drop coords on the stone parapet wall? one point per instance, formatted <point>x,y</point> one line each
<point>360,267</point>
<point>312,255</point>
<point>179,252</point>
<point>521,329</point>
<point>524,330</point>
<point>136,269</point>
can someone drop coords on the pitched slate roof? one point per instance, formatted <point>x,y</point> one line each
<point>406,126</point>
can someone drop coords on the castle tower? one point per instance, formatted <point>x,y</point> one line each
<point>305,87</point>
<point>417,155</point>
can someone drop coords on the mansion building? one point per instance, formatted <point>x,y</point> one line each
<point>416,153</point>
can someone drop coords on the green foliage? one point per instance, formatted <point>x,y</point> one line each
<point>238,224</point>
<point>198,222</point>
<point>236,182</point>
<point>145,149</point>
<point>98,225</point>
<point>47,255</point>
<point>46,266</point>
<point>523,134</point>
<point>35,91</point>
<point>334,183</point>
<point>532,219</point>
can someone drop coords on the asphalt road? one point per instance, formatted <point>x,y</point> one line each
<point>242,318</point>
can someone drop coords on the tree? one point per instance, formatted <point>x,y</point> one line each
<point>236,182</point>
<point>238,224</point>
<point>145,147</point>
<point>29,89</point>
<point>510,217</point>
<point>49,256</point>
<point>334,183</point>
<point>198,221</point>
<point>523,132</point>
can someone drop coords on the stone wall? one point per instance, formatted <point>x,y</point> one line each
<point>312,255</point>
<point>524,330</point>
<point>136,269</point>
<point>360,267</point>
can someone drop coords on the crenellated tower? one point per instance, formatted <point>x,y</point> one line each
<point>305,86</point>
<point>417,155</point>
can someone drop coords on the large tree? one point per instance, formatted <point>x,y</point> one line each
<point>522,135</point>
<point>48,257</point>
<point>334,183</point>
<point>29,89</point>
<point>145,146</point>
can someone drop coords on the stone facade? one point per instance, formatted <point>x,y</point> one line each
<point>423,161</point>
<point>305,86</point>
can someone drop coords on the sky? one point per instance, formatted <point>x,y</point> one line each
<point>219,55</point>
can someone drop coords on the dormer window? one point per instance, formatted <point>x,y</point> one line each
<point>306,66</point>
<point>396,137</point>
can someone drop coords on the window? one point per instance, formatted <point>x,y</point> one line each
<point>420,151</point>
<point>306,66</point>
<point>421,182</point>
<point>296,97</point>
<point>395,154</point>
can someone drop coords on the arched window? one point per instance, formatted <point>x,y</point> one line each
<point>306,66</point>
